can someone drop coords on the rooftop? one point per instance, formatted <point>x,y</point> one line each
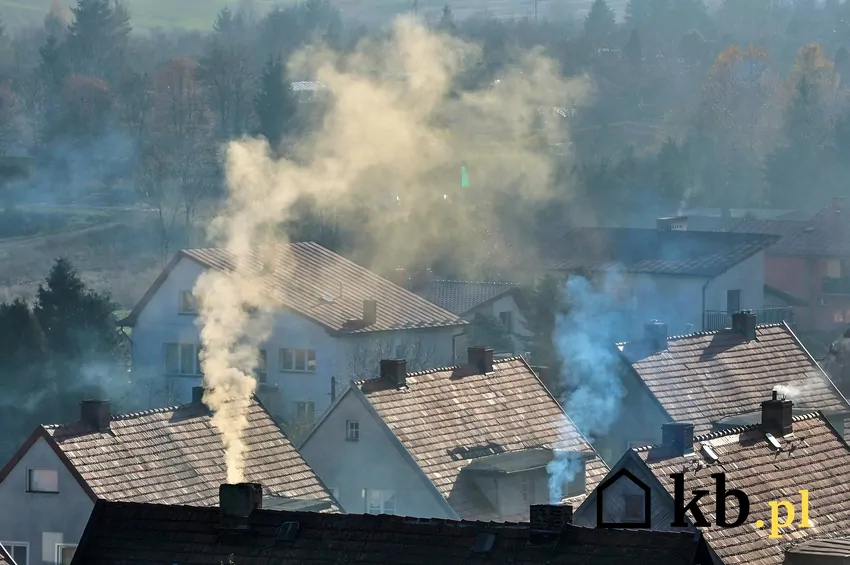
<point>705,377</point>
<point>142,534</point>
<point>324,287</point>
<point>5,558</point>
<point>175,456</point>
<point>473,416</point>
<point>462,296</point>
<point>686,253</point>
<point>765,474</point>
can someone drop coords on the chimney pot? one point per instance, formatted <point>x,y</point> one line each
<point>197,394</point>
<point>550,518</point>
<point>370,312</point>
<point>678,437</point>
<point>777,416</point>
<point>744,322</point>
<point>655,333</point>
<point>395,371</point>
<point>237,502</point>
<point>96,414</point>
<point>481,358</point>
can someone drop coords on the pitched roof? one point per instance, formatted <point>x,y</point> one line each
<point>140,534</point>
<point>815,457</point>
<point>324,287</point>
<point>462,296</point>
<point>5,558</point>
<point>447,410</point>
<point>175,456</point>
<point>686,253</point>
<point>705,377</point>
<point>827,234</point>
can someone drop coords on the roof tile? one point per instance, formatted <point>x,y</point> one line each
<point>826,234</point>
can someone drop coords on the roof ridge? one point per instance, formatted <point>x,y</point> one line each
<point>453,281</point>
<point>442,369</point>
<point>705,332</point>
<point>128,415</point>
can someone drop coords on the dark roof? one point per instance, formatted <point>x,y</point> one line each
<point>827,234</point>
<point>705,377</point>
<point>444,411</point>
<point>141,534</point>
<point>5,558</point>
<point>175,456</point>
<point>462,296</point>
<point>825,547</point>
<point>687,253</point>
<point>814,457</point>
<point>324,287</point>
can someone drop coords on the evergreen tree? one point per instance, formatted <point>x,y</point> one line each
<point>600,23</point>
<point>275,104</point>
<point>633,50</point>
<point>97,38</point>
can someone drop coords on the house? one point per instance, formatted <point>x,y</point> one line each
<point>336,321</point>
<point>466,442</point>
<point>691,280</point>
<point>771,460</point>
<point>811,261</point>
<point>242,531</point>
<point>168,456</point>
<point>713,379</point>
<point>5,558</point>
<point>498,302</point>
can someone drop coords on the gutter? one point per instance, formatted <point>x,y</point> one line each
<point>702,314</point>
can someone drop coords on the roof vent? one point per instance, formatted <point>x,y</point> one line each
<point>710,453</point>
<point>483,543</point>
<point>288,532</point>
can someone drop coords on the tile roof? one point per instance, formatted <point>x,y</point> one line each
<point>5,558</point>
<point>326,288</point>
<point>704,377</point>
<point>174,456</point>
<point>691,253</point>
<point>450,408</point>
<point>827,234</point>
<point>141,534</point>
<point>815,457</point>
<point>462,296</point>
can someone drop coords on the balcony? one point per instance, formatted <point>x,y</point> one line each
<point>836,285</point>
<point>719,319</point>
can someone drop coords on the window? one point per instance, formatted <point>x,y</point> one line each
<point>380,501</point>
<point>305,411</point>
<point>733,301</point>
<point>507,322</point>
<point>352,430</point>
<point>262,367</point>
<point>42,480</point>
<point>833,269</point>
<point>182,359</point>
<point>298,360</point>
<point>65,553</point>
<point>188,304</point>
<point>19,551</point>
<point>634,506</point>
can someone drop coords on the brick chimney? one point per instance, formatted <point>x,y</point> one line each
<point>395,371</point>
<point>96,414</point>
<point>370,312</point>
<point>480,358</point>
<point>550,518</point>
<point>777,416</point>
<point>197,395</point>
<point>678,437</point>
<point>744,322</point>
<point>237,502</point>
<point>655,334</point>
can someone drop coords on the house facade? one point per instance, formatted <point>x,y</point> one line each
<point>443,444</point>
<point>170,456</point>
<point>313,349</point>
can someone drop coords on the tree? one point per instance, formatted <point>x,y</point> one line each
<point>544,299</point>
<point>224,69</point>
<point>86,104</point>
<point>447,21</point>
<point>488,331</point>
<point>275,104</point>
<point>633,50</point>
<point>97,38</point>
<point>10,119</point>
<point>600,23</point>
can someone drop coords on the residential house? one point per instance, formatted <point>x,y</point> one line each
<point>168,456</point>
<point>241,531</point>
<point>335,322</point>
<point>500,302</point>
<point>5,558</point>
<point>772,460</point>
<point>811,261</point>
<point>689,280</point>
<point>467,442</point>
<point>713,380</point>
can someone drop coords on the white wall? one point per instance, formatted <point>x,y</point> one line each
<point>506,304</point>
<point>747,276</point>
<point>373,462</point>
<point>42,519</point>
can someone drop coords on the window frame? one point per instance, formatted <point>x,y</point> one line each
<point>384,495</point>
<point>352,430</point>
<point>309,360</point>
<point>9,547</point>
<point>733,292</point>
<point>196,354</point>
<point>58,554</point>
<point>29,480</point>
<point>193,310</point>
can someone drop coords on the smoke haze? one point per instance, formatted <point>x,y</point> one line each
<point>389,153</point>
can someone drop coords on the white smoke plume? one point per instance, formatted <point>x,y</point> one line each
<point>397,132</point>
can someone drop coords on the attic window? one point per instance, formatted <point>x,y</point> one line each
<point>43,480</point>
<point>188,304</point>
<point>352,430</point>
<point>483,543</point>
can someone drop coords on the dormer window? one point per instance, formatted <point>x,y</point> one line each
<point>188,304</point>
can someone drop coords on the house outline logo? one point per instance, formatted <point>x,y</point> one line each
<point>647,502</point>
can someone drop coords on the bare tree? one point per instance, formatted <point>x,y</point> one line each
<point>154,185</point>
<point>365,358</point>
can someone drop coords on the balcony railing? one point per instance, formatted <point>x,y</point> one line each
<point>838,285</point>
<point>718,319</point>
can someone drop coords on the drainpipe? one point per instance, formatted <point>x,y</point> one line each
<point>707,281</point>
